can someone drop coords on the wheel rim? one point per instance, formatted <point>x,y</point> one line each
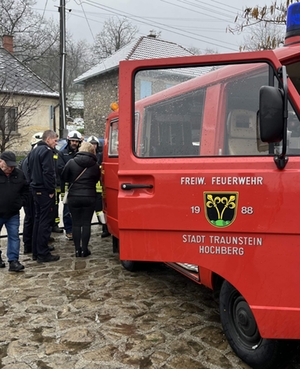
<point>244,323</point>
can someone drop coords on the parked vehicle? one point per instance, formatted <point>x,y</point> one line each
<point>203,175</point>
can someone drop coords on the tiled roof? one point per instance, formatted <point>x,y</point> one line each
<point>16,78</point>
<point>143,48</point>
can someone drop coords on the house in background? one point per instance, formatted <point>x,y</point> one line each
<point>101,81</point>
<point>27,104</point>
<point>75,106</point>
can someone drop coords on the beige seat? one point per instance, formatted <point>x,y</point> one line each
<point>242,133</point>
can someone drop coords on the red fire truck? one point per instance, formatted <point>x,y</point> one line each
<point>201,171</point>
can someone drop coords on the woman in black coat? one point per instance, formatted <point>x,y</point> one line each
<point>82,194</point>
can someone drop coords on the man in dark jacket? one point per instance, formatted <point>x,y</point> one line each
<point>42,182</point>
<point>14,194</point>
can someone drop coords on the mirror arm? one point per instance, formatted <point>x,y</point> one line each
<point>281,160</point>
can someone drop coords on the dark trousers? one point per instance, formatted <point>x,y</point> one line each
<point>44,211</point>
<point>82,209</point>
<point>28,223</point>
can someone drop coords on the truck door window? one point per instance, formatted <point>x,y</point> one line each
<point>209,111</point>
<point>113,143</point>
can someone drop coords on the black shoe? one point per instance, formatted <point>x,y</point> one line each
<point>105,234</point>
<point>85,253</point>
<point>51,248</point>
<point>78,253</point>
<point>2,264</point>
<point>27,249</point>
<point>56,229</point>
<point>51,239</point>
<point>15,266</point>
<point>34,257</point>
<point>48,259</point>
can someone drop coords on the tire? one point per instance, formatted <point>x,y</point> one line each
<point>242,333</point>
<point>129,265</point>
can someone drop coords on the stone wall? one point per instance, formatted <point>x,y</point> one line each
<point>99,93</point>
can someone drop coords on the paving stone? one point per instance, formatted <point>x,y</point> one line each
<point>91,313</point>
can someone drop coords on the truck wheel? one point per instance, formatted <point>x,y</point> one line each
<point>242,333</point>
<point>129,265</point>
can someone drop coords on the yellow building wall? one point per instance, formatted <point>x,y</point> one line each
<point>36,119</point>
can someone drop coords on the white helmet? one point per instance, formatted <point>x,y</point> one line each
<point>93,140</point>
<point>74,136</point>
<point>36,138</point>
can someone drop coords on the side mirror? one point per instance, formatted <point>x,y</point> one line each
<point>271,114</point>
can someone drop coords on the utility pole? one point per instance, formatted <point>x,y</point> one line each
<point>62,92</point>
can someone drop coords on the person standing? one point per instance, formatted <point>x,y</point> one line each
<point>98,204</point>
<point>82,173</point>
<point>42,182</point>
<point>74,140</point>
<point>14,194</point>
<point>29,208</point>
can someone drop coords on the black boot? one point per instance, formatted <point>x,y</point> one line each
<point>86,252</point>
<point>105,232</point>
<point>56,229</point>
<point>2,264</point>
<point>78,252</point>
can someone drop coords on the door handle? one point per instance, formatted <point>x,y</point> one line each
<point>131,186</point>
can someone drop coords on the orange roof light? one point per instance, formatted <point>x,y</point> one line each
<point>114,106</point>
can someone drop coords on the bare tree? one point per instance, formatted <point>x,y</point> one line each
<point>115,34</point>
<point>79,60</point>
<point>263,37</point>
<point>265,15</point>
<point>33,34</point>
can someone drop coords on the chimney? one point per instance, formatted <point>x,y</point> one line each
<point>152,34</point>
<point>8,44</point>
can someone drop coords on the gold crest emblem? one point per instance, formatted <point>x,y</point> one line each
<point>220,208</point>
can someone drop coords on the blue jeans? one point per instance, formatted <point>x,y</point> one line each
<point>67,219</point>
<point>13,241</point>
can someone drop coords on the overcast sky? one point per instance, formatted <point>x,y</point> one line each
<point>196,23</point>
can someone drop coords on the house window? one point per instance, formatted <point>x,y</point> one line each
<point>146,89</point>
<point>8,119</point>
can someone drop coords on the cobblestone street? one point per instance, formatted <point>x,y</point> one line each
<point>91,313</point>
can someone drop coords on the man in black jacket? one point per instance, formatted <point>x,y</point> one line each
<point>14,194</point>
<point>42,182</point>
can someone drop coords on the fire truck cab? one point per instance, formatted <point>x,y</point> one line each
<point>202,173</point>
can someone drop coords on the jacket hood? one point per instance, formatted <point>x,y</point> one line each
<point>85,159</point>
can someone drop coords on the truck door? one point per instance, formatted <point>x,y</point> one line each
<point>196,184</point>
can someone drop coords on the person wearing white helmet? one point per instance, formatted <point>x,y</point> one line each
<point>74,140</point>
<point>35,139</point>
<point>98,204</point>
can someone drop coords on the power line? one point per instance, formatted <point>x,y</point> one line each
<point>213,7</point>
<point>162,26</point>
<point>87,22</point>
<point>210,15</point>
